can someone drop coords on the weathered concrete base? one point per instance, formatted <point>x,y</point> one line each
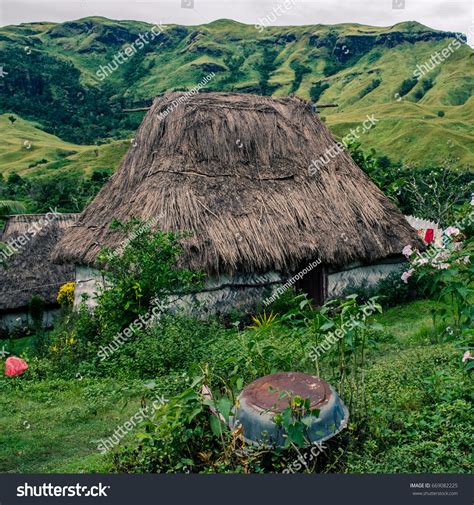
<point>219,295</point>
<point>359,276</point>
<point>21,319</point>
<point>245,291</point>
<point>89,282</point>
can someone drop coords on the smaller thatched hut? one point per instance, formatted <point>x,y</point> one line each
<point>26,268</point>
<point>233,171</point>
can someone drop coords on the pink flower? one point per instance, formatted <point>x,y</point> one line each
<point>443,255</point>
<point>466,356</point>
<point>406,275</point>
<point>15,366</point>
<point>407,251</point>
<point>451,230</point>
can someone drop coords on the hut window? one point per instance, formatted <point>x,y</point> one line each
<point>314,284</point>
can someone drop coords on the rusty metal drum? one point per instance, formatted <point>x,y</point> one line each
<point>259,402</point>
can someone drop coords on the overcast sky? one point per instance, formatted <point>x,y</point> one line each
<point>452,15</point>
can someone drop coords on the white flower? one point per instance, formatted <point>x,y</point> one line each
<point>406,275</point>
<point>466,356</point>
<point>451,230</point>
<point>407,251</point>
<point>441,256</point>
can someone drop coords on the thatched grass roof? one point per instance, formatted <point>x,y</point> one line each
<point>29,270</point>
<point>232,169</point>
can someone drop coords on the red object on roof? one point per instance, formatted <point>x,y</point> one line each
<point>429,235</point>
<point>15,366</point>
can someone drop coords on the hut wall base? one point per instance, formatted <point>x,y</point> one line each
<point>219,295</point>
<point>360,276</point>
<point>89,281</point>
<point>21,319</point>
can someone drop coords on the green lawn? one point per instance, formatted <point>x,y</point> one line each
<point>54,425</point>
<point>415,385</point>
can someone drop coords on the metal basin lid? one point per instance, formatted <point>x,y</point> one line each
<point>265,392</point>
<point>259,402</point>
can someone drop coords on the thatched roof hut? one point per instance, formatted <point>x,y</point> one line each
<point>233,170</point>
<point>29,270</point>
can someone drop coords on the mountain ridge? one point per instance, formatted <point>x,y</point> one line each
<point>364,69</point>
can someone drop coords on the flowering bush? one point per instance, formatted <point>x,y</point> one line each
<point>66,294</point>
<point>450,272</point>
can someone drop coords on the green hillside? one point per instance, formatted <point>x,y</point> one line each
<point>365,70</point>
<point>28,151</point>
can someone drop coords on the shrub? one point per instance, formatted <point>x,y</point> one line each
<point>426,85</point>
<point>300,70</point>
<point>392,291</point>
<point>450,274</point>
<point>317,90</point>
<point>143,269</point>
<point>375,83</point>
<point>434,193</point>
<point>172,344</point>
<point>406,86</point>
<point>441,113</point>
<point>419,410</point>
<point>36,310</point>
<point>66,294</point>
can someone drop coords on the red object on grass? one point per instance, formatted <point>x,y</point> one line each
<point>429,235</point>
<point>15,366</point>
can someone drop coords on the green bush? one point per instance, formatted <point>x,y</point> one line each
<point>406,86</point>
<point>317,90</point>
<point>375,83</point>
<point>143,269</point>
<point>418,420</point>
<point>172,344</point>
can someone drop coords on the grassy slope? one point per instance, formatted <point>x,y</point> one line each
<point>24,144</point>
<point>408,130</point>
<point>66,419</point>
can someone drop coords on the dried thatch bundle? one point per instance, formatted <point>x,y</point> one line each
<point>232,170</point>
<point>29,270</point>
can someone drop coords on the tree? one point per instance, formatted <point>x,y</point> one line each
<point>12,119</point>
<point>11,207</point>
